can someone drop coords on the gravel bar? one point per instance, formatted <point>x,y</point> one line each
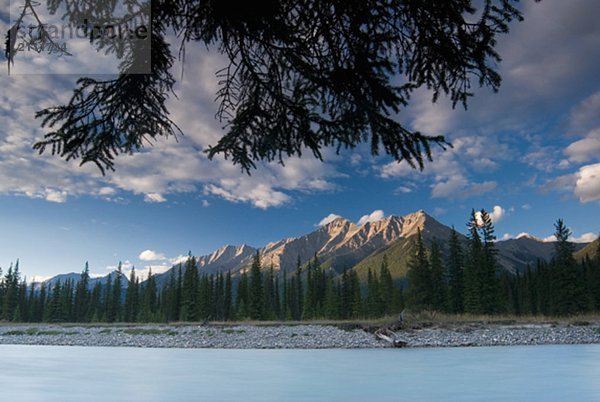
<point>293,336</point>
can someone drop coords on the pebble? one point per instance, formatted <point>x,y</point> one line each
<point>290,336</point>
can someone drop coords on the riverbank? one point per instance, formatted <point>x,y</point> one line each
<point>301,336</point>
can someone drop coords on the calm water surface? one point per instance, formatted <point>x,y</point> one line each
<point>56,373</point>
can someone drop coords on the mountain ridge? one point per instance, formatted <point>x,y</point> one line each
<point>341,244</point>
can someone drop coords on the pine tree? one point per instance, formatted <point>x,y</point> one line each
<point>256,289</point>
<point>96,307</point>
<point>131,307</point>
<point>373,300</point>
<point>189,291</point>
<point>171,298</point>
<point>82,295</point>
<point>489,282</point>
<point>205,298</point>
<point>11,292</point>
<point>419,295</point>
<point>386,287</point>
<point>473,264</point>
<point>310,296</point>
<point>53,311</point>
<point>115,301</point>
<point>149,300</point>
<point>332,298</point>
<point>565,266</point>
<point>439,286</point>
<point>455,274</point>
<point>299,292</point>
<point>228,308</point>
<point>242,297</point>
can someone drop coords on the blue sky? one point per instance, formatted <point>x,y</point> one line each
<point>530,153</point>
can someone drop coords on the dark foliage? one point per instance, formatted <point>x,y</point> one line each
<point>301,75</point>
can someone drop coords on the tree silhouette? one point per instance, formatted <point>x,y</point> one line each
<point>301,75</point>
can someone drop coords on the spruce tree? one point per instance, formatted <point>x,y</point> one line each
<point>149,300</point>
<point>228,299</point>
<point>439,286</point>
<point>474,262</point>
<point>82,295</point>
<point>189,291</point>
<point>373,300</point>
<point>565,266</point>
<point>419,295</point>
<point>299,300</point>
<point>130,309</point>
<point>455,274</point>
<point>386,287</point>
<point>490,298</point>
<point>116,295</point>
<point>256,289</point>
<point>242,297</point>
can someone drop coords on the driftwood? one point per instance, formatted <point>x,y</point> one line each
<point>391,337</point>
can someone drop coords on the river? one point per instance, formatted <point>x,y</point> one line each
<point>522,373</point>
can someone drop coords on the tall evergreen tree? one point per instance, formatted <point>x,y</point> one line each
<point>242,297</point>
<point>419,295</point>
<point>148,307</point>
<point>115,297</point>
<point>228,310</point>
<point>567,287</point>
<point>189,291</point>
<point>256,289</point>
<point>82,295</point>
<point>473,264</point>
<point>455,274</point>
<point>131,306</point>
<point>439,286</point>
<point>489,285</point>
<point>386,287</point>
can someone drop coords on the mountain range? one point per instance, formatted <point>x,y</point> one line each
<point>341,245</point>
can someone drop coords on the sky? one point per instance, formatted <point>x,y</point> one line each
<point>529,154</point>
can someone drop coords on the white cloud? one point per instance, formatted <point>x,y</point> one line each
<point>150,255</point>
<point>458,187</point>
<point>154,198</point>
<point>205,203</point>
<point>374,216</point>
<point>506,236</point>
<point>125,266</point>
<point>403,190</point>
<point>587,185</point>
<point>56,196</point>
<point>180,259</point>
<point>328,219</point>
<point>585,149</point>
<point>156,269</point>
<point>584,116</point>
<point>260,195</point>
<point>496,215</point>
<point>584,238</point>
<point>450,170</point>
<point>431,118</point>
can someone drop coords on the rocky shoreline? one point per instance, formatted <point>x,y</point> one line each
<point>295,336</point>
